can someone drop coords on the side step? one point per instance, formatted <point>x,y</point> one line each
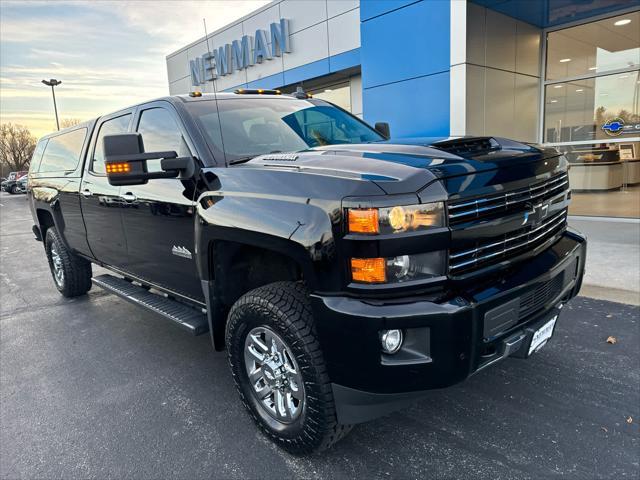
<point>186,317</point>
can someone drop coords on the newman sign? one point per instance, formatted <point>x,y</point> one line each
<point>241,54</point>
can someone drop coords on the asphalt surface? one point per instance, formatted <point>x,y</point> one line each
<point>96,388</point>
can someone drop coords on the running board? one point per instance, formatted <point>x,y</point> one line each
<point>184,316</point>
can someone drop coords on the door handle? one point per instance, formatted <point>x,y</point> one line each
<point>128,197</point>
<point>86,192</point>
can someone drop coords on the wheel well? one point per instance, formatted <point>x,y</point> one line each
<point>246,267</point>
<point>45,219</point>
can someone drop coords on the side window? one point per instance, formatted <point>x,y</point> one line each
<point>110,127</point>
<point>37,156</point>
<point>160,133</point>
<point>62,153</point>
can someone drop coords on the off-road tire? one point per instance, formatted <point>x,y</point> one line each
<point>77,271</point>
<point>284,308</point>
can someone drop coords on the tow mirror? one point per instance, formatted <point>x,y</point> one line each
<point>126,161</point>
<point>383,129</point>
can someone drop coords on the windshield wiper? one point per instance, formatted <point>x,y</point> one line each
<point>242,159</point>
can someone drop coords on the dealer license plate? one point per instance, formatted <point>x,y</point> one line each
<point>541,335</point>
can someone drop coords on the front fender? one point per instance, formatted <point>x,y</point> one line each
<point>292,226</point>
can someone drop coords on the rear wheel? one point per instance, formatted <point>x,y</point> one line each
<point>71,274</point>
<point>279,370</point>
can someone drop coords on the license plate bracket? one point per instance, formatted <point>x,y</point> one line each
<point>538,334</point>
<point>542,335</point>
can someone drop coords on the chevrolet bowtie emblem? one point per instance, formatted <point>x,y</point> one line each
<point>535,213</point>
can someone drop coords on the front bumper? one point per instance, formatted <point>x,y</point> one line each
<point>446,342</point>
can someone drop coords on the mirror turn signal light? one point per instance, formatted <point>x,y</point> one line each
<point>118,167</point>
<point>368,270</point>
<point>363,220</point>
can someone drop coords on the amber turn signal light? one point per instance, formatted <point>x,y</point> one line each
<point>363,220</point>
<point>368,270</point>
<point>118,167</point>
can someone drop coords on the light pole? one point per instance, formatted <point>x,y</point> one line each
<point>53,83</point>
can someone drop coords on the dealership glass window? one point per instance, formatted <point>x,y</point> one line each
<point>586,109</point>
<point>596,47</point>
<point>339,95</point>
<point>592,112</point>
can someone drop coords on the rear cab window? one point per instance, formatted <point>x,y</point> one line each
<point>62,153</point>
<point>34,166</point>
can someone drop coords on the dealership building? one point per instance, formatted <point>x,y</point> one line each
<point>560,72</point>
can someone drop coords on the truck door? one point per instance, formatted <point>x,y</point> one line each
<point>100,202</point>
<point>158,217</point>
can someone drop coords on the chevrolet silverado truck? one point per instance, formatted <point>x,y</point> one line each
<point>344,273</point>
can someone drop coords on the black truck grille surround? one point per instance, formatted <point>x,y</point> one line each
<point>492,250</point>
<point>503,203</point>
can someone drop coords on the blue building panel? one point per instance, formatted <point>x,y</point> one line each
<point>552,13</point>
<point>417,107</point>
<point>272,81</point>
<point>374,8</point>
<point>306,72</point>
<point>423,28</point>
<point>344,60</point>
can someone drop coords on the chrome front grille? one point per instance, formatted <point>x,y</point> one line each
<point>500,204</point>
<point>507,245</point>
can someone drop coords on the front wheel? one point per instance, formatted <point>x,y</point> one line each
<point>279,370</point>
<point>13,190</point>
<point>71,274</point>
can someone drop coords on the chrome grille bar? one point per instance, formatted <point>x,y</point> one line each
<point>518,239</point>
<point>469,210</point>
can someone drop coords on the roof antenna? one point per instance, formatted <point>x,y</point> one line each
<point>215,93</point>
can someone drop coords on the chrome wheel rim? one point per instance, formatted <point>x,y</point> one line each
<point>56,263</point>
<point>274,376</point>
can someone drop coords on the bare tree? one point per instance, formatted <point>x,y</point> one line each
<point>16,146</point>
<point>69,122</point>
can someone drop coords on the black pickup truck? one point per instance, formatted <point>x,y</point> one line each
<point>344,273</point>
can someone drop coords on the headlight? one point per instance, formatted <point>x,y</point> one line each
<point>398,269</point>
<point>398,219</point>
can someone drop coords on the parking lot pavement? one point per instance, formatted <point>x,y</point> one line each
<point>95,388</point>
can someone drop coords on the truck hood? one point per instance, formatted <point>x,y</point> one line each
<point>411,165</point>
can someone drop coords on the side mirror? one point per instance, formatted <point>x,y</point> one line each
<point>126,161</point>
<point>383,129</point>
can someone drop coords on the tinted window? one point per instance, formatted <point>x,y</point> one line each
<point>63,151</point>
<point>110,127</point>
<point>37,156</point>
<point>160,133</point>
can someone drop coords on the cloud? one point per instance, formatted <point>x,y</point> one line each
<point>39,53</point>
<point>176,24</point>
<point>108,54</point>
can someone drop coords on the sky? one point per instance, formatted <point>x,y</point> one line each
<point>108,54</point>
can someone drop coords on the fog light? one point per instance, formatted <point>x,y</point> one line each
<point>391,341</point>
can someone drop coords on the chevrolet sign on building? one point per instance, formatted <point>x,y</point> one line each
<point>241,54</point>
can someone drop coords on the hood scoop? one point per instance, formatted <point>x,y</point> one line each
<point>465,147</point>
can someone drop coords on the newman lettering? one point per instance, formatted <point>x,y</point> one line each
<point>241,54</point>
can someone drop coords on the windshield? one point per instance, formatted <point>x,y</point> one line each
<point>252,127</point>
